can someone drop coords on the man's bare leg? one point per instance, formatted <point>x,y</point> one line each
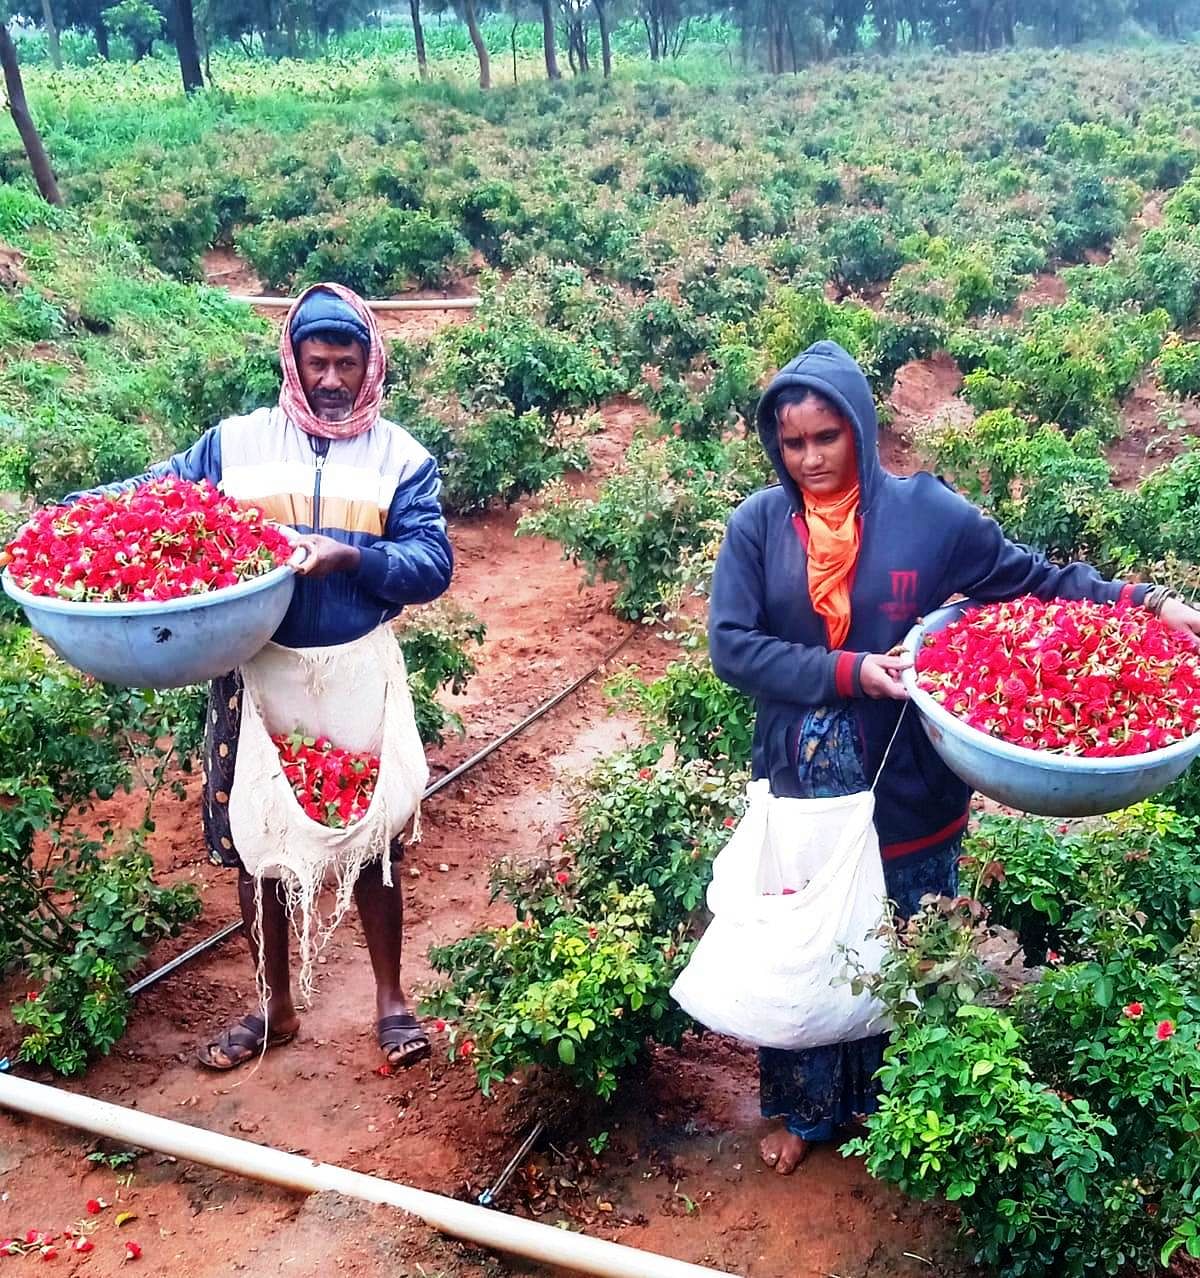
<point>381,909</point>
<point>282,1020</point>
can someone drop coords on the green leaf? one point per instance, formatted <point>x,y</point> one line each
<point>566,1051</point>
<point>1076,1187</point>
<point>981,1068</point>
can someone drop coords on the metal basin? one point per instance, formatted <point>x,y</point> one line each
<point>1033,780</point>
<point>162,645</point>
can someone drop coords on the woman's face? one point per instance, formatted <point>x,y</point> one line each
<point>817,445</point>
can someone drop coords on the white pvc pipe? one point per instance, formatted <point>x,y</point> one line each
<point>387,304</point>
<point>479,1225</point>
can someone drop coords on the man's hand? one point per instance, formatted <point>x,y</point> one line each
<point>318,556</point>
<point>880,676</point>
<point>1180,616</point>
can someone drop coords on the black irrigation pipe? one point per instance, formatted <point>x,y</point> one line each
<point>230,929</point>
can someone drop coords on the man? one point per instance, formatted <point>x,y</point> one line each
<point>363,496</point>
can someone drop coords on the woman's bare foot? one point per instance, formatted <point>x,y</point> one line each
<point>783,1151</point>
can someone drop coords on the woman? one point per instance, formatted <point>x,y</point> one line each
<point>817,580</point>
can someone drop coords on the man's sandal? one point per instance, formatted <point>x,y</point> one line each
<point>240,1042</point>
<point>402,1040</point>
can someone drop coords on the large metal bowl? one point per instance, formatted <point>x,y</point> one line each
<point>1034,780</point>
<point>162,645</point>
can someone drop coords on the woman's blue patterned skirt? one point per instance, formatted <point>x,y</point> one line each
<point>823,1088</point>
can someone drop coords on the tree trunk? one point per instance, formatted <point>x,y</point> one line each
<point>680,37</point>
<point>605,42</point>
<point>552,71</point>
<point>18,108</point>
<point>885,22</point>
<point>100,31</point>
<point>289,29</point>
<point>414,8</point>
<point>485,70</point>
<point>512,39</point>
<point>577,50</point>
<point>52,35</point>
<point>184,22</point>
<point>773,23</point>
<point>651,24</point>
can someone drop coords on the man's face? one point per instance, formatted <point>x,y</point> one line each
<point>818,448</point>
<point>331,376</point>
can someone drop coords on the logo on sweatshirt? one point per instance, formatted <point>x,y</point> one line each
<point>903,604</point>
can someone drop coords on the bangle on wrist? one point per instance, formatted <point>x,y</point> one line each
<point>1157,596</point>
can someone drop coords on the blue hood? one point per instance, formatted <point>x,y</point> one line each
<point>827,368</point>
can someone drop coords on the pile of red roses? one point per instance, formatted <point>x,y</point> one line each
<point>333,786</point>
<point>163,540</point>
<point>1068,676</point>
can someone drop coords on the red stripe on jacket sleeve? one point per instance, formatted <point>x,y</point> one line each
<point>843,673</point>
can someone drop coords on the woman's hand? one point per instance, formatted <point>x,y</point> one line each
<point>318,556</point>
<point>879,675</point>
<point>1181,616</point>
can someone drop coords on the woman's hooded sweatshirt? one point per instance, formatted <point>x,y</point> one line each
<point>921,543</point>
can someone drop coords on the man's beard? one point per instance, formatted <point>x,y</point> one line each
<point>332,406</point>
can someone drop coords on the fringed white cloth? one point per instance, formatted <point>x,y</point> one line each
<point>357,695</point>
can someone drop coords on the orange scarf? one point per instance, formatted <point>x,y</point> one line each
<point>832,553</point>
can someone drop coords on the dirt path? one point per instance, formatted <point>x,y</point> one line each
<point>323,1095</point>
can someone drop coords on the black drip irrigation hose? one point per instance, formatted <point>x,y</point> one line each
<point>230,929</point>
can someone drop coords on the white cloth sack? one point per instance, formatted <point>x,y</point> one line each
<point>765,969</point>
<point>357,695</point>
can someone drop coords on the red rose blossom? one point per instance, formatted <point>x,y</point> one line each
<point>1133,1010</point>
<point>1165,1030</point>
